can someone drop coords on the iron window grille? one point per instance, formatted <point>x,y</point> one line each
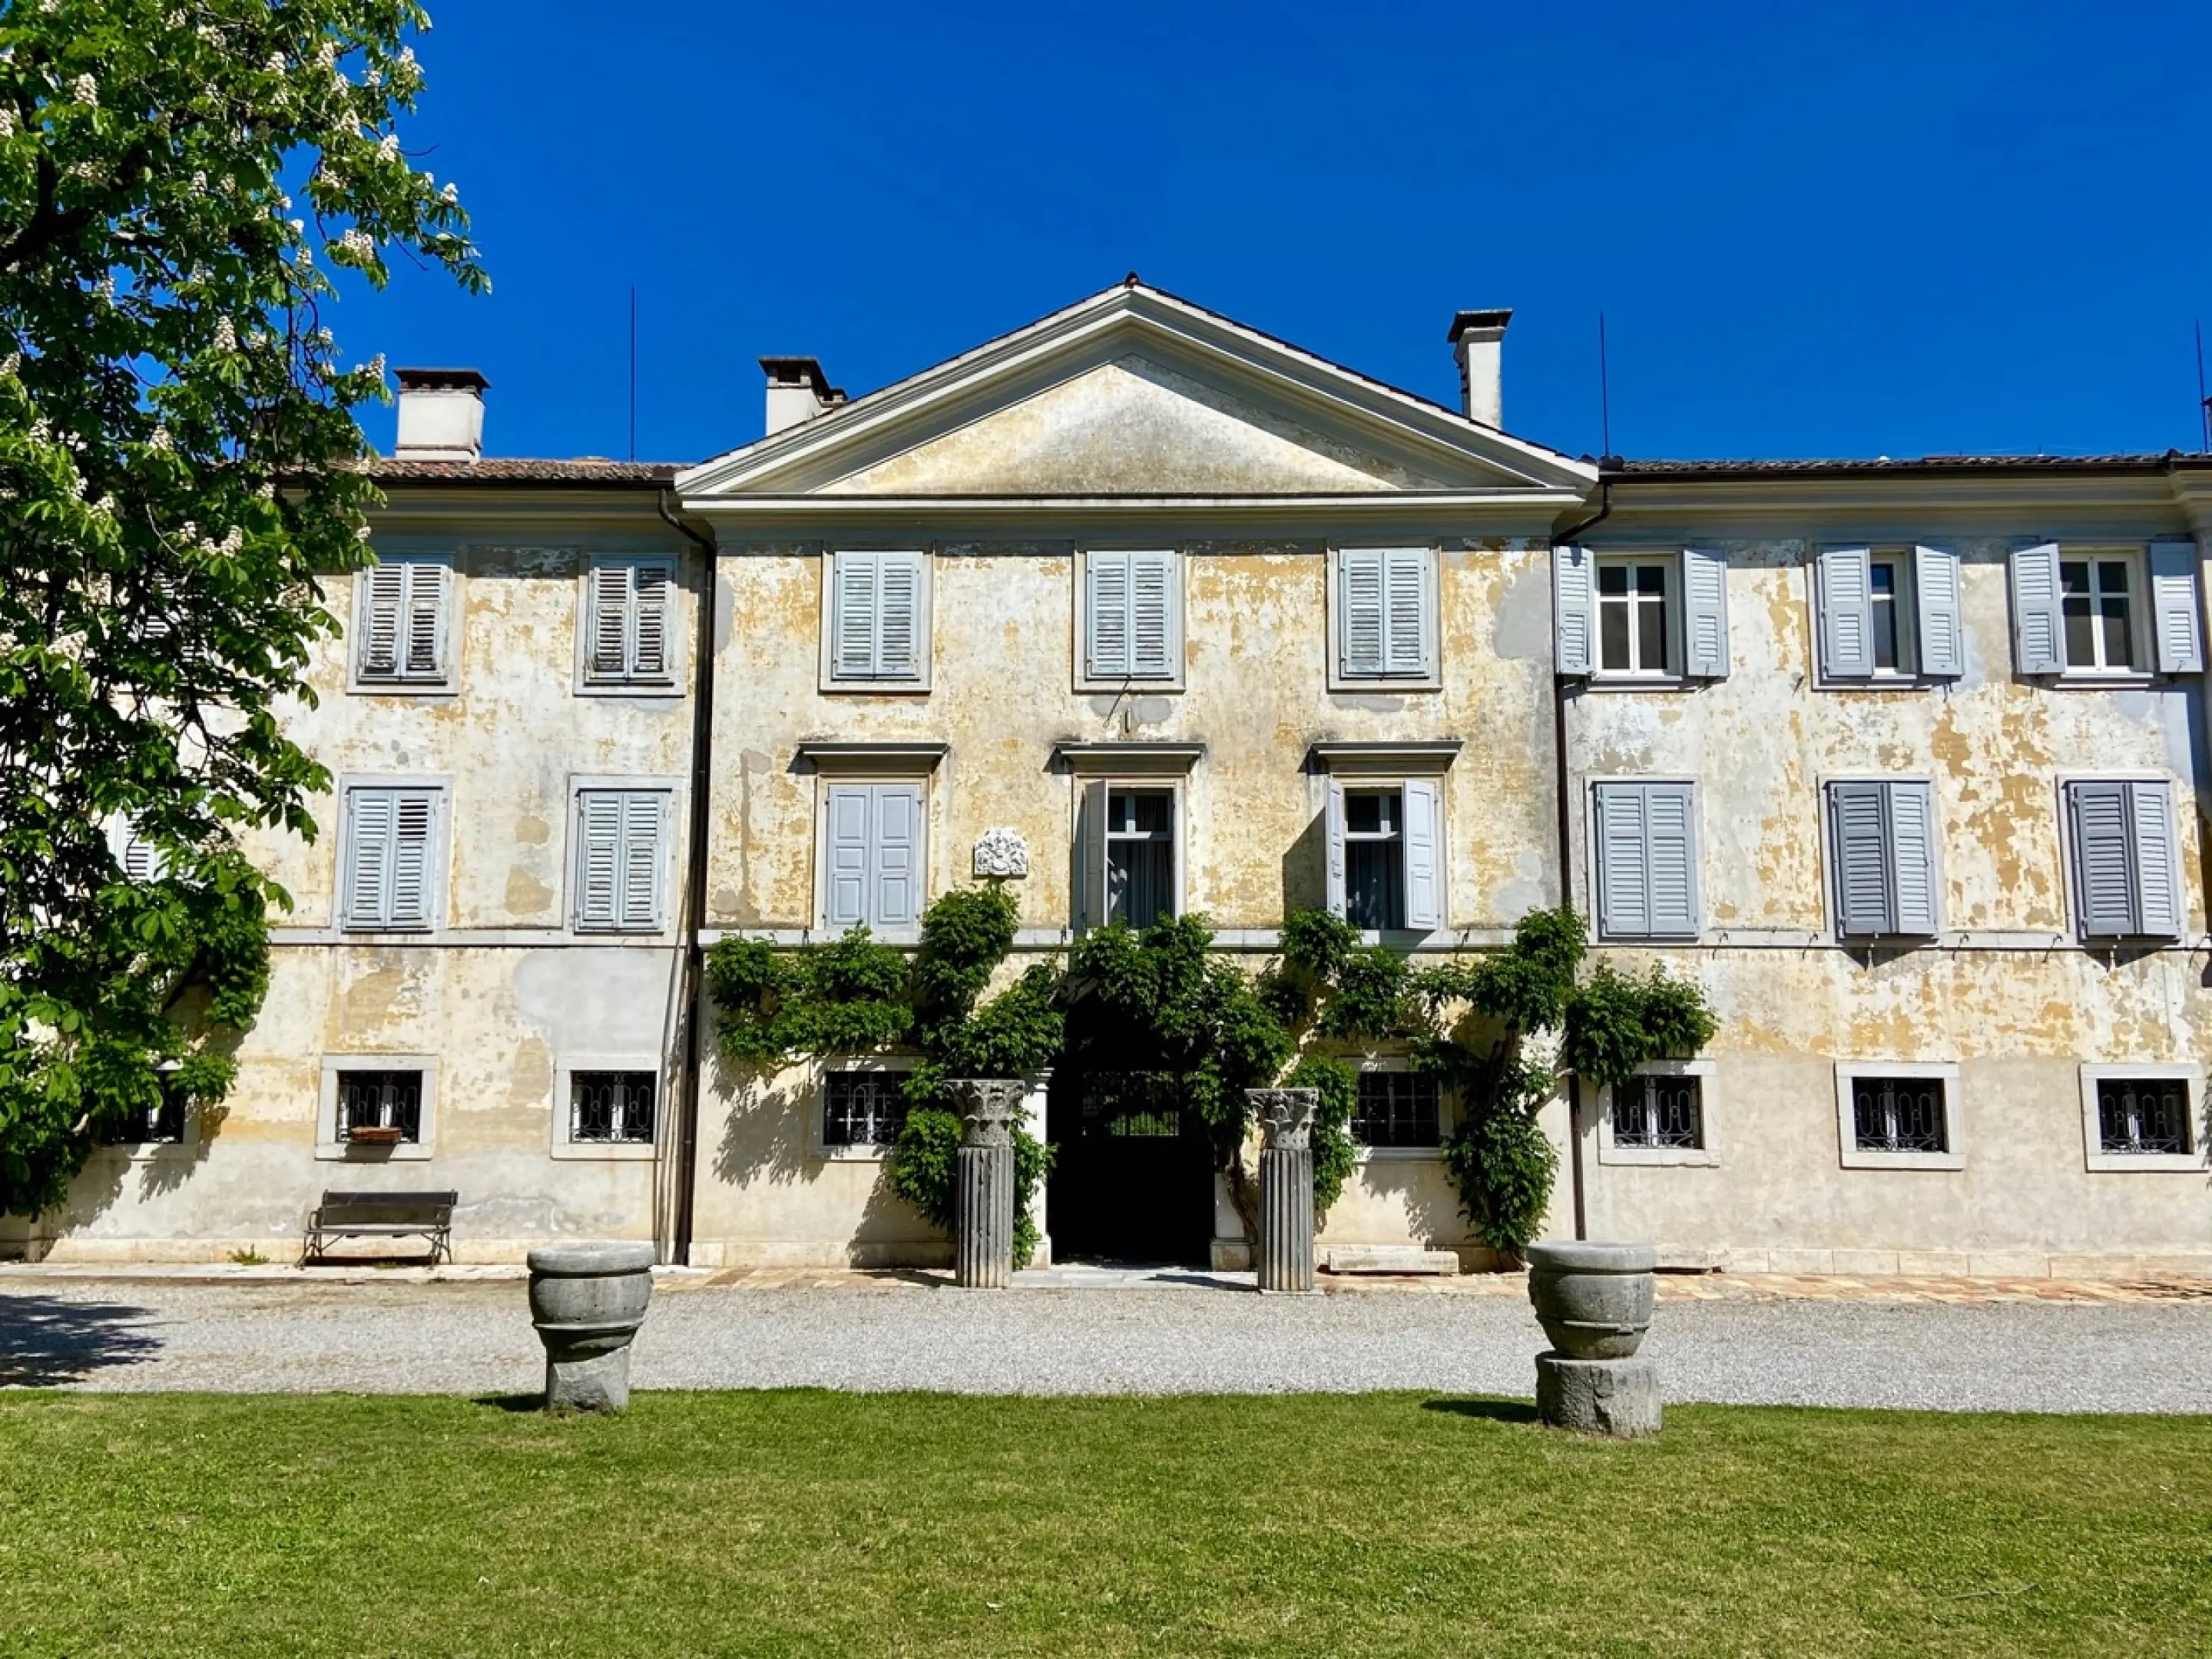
<point>1899,1115</point>
<point>1396,1109</point>
<point>163,1123</point>
<point>862,1108</point>
<point>1659,1112</point>
<point>612,1107</point>
<point>1131,1106</point>
<point>380,1100</point>
<point>2144,1115</point>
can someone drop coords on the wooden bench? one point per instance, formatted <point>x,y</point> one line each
<point>383,1215</point>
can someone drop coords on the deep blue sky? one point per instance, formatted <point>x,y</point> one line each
<point>1840,230</point>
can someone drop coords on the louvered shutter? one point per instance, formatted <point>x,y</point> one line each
<point>1912,857</point>
<point>426,619</point>
<point>1859,824</point>
<point>897,856</point>
<point>2104,858</point>
<point>1846,612</point>
<point>852,619</point>
<point>851,807</point>
<point>2158,866</point>
<point>1624,899</point>
<point>1671,859</point>
<point>1333,849</point>
<point>410,860</point>
<point>135,854</point>
<point>1361,648</point>
<point>1153,635</point>
<point>639,896</point>
<point>610,621</point>
<point>898,601</point>
<point>381,611</point>
<point>598,859</point>
<point>1425,855</point>
<point>1705,613</point>
<point>1090,856</point>
<point>1407,625</point>
<point>2039,631</point>
<point>369,817</point>
<point>1106,621</point>
<point>1939,608</point>
<point>2176,619</point>
<point>1574,609</point>
<point>654,586</point>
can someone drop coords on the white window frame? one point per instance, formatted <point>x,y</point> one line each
<point>925,628</point>
<point>2097,1161</point>
<point>2141,618</point>
<point>1954,1116</point>
<point>1706,1156</point>
<point>671,790</point>
<point>670,682</point>
<point>438,872</point>
<point>927,885</point>
<point>1179,564</point>
<point>447,683</point>
<point>1082,852</point>
<point>1430,679</point>
<point>611,1151</point>
<point>330,1149</point>
<point>187,1145</point>
<point>817,1099</point>
<point>1670,565</point>
<point>1447,1118</point>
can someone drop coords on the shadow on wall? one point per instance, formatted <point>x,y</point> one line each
<point>46,1342</point>
<point>1430,1204</point>
<point>763,1132</point>
<point>1305,869</point>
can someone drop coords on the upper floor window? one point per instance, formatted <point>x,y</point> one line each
<point>1647,860</point>
<point>2090,611</point>
<point>387,862</point>
<point>1385,855</point>
<point>1128,848</point>
<point>1383,613</point>
<point>1132,624</point>
<point>878,623</point>
<point>1881,836</point>
<point>1633,630</point>
<point>873,864</point>
<point>402,622</point>
<point>621,859</point>
<point>1635,616</point>
<point>2127,872</point>
<point>1889,613</point>
<point>627,609</point>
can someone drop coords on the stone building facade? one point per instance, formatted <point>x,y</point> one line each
<point>1902,762</point>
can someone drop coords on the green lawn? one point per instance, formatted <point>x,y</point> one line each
<point>806,1523</point>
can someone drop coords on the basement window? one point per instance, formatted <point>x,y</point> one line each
<point>2138,1115</point>
<point>862,1108</point>
<point>1397,1109</point>
<point>1659,1113</point>
<point>611,1108</point>
<point>379,1108</point>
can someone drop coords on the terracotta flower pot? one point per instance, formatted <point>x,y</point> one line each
<point>1593,1300</point>
<point>375,1136</point>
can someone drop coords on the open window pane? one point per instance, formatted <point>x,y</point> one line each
<point>1140,856</point>
<point>1374,859</point>
<point>1882,581</point>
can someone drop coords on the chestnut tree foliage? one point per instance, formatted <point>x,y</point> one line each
<point>183,189</point>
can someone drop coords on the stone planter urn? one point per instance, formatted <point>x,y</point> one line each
<point>1286,1256</point>
<point>1594,1301</point>
<point>587,1301</point>
<point>983,1181</point>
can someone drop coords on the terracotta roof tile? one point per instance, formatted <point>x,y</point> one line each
<point>1618,468</point>
<point>503,470</point>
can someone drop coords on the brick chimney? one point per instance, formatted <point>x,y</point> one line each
<point>440,414</point>
<point>1478,340</point>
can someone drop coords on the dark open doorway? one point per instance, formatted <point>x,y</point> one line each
<point>1132,1180</point>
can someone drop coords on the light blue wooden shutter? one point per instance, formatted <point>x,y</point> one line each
<point>1425,855</point>
<point>383,605</point>
<point>1408,625</point>
<point>1912,805</point>
<point>899,630</point>
<point>1155,639</point>
<point>415,817</point>
<point>2104,858</point>
<point>1574,609</point>
<point>1361,605</point>
<point>1939,608</point>
<point>609,621</point>
<point>428,587</point>
<point>2157,866</point>
<point>852,615</point>
<point>369,821</point>
<point>134,852</point>
<point>1671,859</point>
<point>845,870</point>
<point>1705,613</point>
<point>1859,829</point>
<point>651,587</point>
<point>1091,892</point>
<point>639,896</point>
<point>2039,631</point>
<point>1332,847</point>
<point>1106,616</point>
<point>897,856</point>
<point>598,858</point>
<point>1624,895</point>
<point>1846,612</point>
<point>2176,620</point>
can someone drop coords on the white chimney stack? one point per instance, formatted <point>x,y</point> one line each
<point>440,414</point>
<point>1478,340</point>
<point>797,391</point>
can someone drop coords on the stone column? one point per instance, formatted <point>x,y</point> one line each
<point>983,1182</point>
<point>1594,1301</point>
<point>1285,1255</point>
<point>587,1301</point>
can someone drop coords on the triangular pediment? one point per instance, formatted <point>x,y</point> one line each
<point>1133,393</point>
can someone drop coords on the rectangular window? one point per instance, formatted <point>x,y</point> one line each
<point>873,871</point>
<point>1386,624</point>
<point>1132,616</point>
<point>1396,1109</point>
<point>1659,1113</point>
<point>1889,613</point>
<point>878,616</point>
<point>1881,835</point>
<point>2097,601</point>
<point>612,1108</point>
<point>1647,858</point>
<point>2143,1116</point>
<point>162,1123</point>
<point>1139,855</point>
<point>2127,879</point>
<point>627,617</point>
<point>401,624</point>
<point>389,862</point>
<point>620,860</point>
<point>1886,592</point>
<point>379,1108</point>
<point>1635,635</point>
<point>862,1108</point>
<point>1374,858</point>
<point>1899,1115</point>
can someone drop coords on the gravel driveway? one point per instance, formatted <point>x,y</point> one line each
<point>181,1334</point>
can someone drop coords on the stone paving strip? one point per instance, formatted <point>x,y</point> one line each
<point>2031,1345</point>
